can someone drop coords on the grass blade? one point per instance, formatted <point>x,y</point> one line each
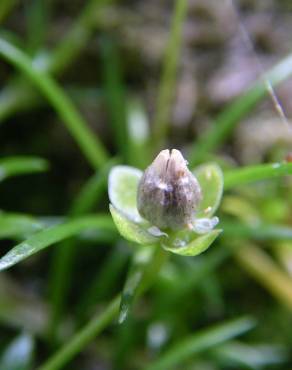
<point>100,321</point>
<point>14,166</point>
<point>92,190</point>
<point>52,235</point>
<point>77,37</point>
<point>15,226</point>
<point>167,83</point>
<point>255,356</point>
<point>83,337</point>
<point>260,266</point>
<point>88,142</point>
<point>101,286</point>
<point>6,7</point>
<point>139,263</point>
<point>64,257</point>
<point>261,172</point>
<point>232,115</point>
<point>18,95</point>
<point>38,14</point>
<point>115,96</point>
<point>201,342</point>
<point>257,231</point>
<point>139,134</point>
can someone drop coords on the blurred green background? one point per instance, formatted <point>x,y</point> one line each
<point>88,84</point>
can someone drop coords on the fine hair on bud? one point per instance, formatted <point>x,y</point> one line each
<point>168,193</point>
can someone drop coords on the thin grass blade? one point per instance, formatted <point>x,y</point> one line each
<point>255,356</point>
<point>201,342</point>
<point>115,96</point>
<point>16,226</point>
<point>52,235</point>
<point>135,274</point>
<point>20,165</point>
<point>167,83</point>
<point>88,142</point>
<point>231,116</point>
<point>250,174</point>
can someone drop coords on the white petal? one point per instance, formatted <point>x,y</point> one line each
<point>204,225</point>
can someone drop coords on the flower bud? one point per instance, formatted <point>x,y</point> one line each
<point>168,193</point>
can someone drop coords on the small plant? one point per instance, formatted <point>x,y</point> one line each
<point>168,204</point>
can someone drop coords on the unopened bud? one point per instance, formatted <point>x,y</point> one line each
<point>168,193</point>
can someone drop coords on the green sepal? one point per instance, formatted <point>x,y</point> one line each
<point>131,231</point>
<point>197,246</point>
<point>210,177</point>
<point>123,186</point>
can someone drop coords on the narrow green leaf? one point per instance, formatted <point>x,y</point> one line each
<point>93,190</point>
<point>122,189</point>
<point>168,77</point>
<point>201,342</point>
<point>37,20</point>
<point>83,337</point>
<point>52,235</point>
<point>210,178</point>
<point>256,231</point>
<point>139,134</point>
<point>18,355</point>
<point>19,95</point>
<point>64,257</point>
<point>13,225</point>
<point>14,166</point>
<point>6,7</point>
<point>228,119</point>
<point>241,208</point>
<point>104,281</point>
<point>140,261</point>
<point>100,321</point>
<point>88,142</point>
<point>261,172</point>
<point>255,356</point>
<point>130,230</point>
<point>79,34</point>
<point>115,95</point>
<point>197,246</point>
